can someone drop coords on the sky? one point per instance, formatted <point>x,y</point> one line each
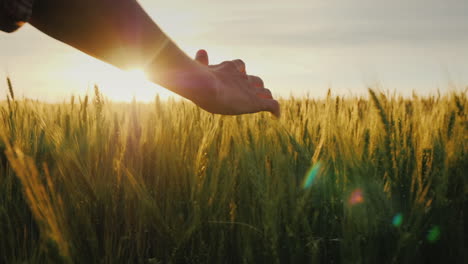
<point>298,47</point>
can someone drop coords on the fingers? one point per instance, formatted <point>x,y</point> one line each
<point>240,65</point>
<point>256,81</point>
<point>269,105</point>
<point>260,90</point>
<point>233,66</point>
<point>264,93</point>
<point>202,57</point>
<point>264,97</point>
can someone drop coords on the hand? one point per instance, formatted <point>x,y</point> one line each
<point>233,91</point>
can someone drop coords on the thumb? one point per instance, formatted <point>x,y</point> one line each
<point>271,106</point>
<point>202,57</point>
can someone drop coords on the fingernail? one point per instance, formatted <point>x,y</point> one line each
<point>202,57</point>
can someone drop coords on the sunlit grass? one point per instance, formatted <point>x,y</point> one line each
<point>338,180</point>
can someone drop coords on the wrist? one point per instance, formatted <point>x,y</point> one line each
<point>174,70</point>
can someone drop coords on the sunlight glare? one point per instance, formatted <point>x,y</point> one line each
<point>137,75</point>
<point>356,197</point>
<point>433,234</point>
<point>311,175</point>
<point>123,86</point>
<point>397,220</point>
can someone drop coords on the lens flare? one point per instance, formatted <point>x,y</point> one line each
<point>356,197</point>
<point>311,175</point>
<point>397,220</point>
<point>433,234</point>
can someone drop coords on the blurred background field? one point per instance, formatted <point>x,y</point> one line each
<point>381,179</point>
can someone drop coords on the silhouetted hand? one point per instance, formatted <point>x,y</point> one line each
<point>233,92</point>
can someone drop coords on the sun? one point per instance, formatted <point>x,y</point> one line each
<point>137,75</point>
<point>124,86</point>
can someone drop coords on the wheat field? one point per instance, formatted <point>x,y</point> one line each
<point>377,179</point>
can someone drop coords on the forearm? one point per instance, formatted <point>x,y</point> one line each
<point>116,31</point>
<point>121,33</point>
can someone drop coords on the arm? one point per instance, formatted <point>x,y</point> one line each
<point>120,32</point>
